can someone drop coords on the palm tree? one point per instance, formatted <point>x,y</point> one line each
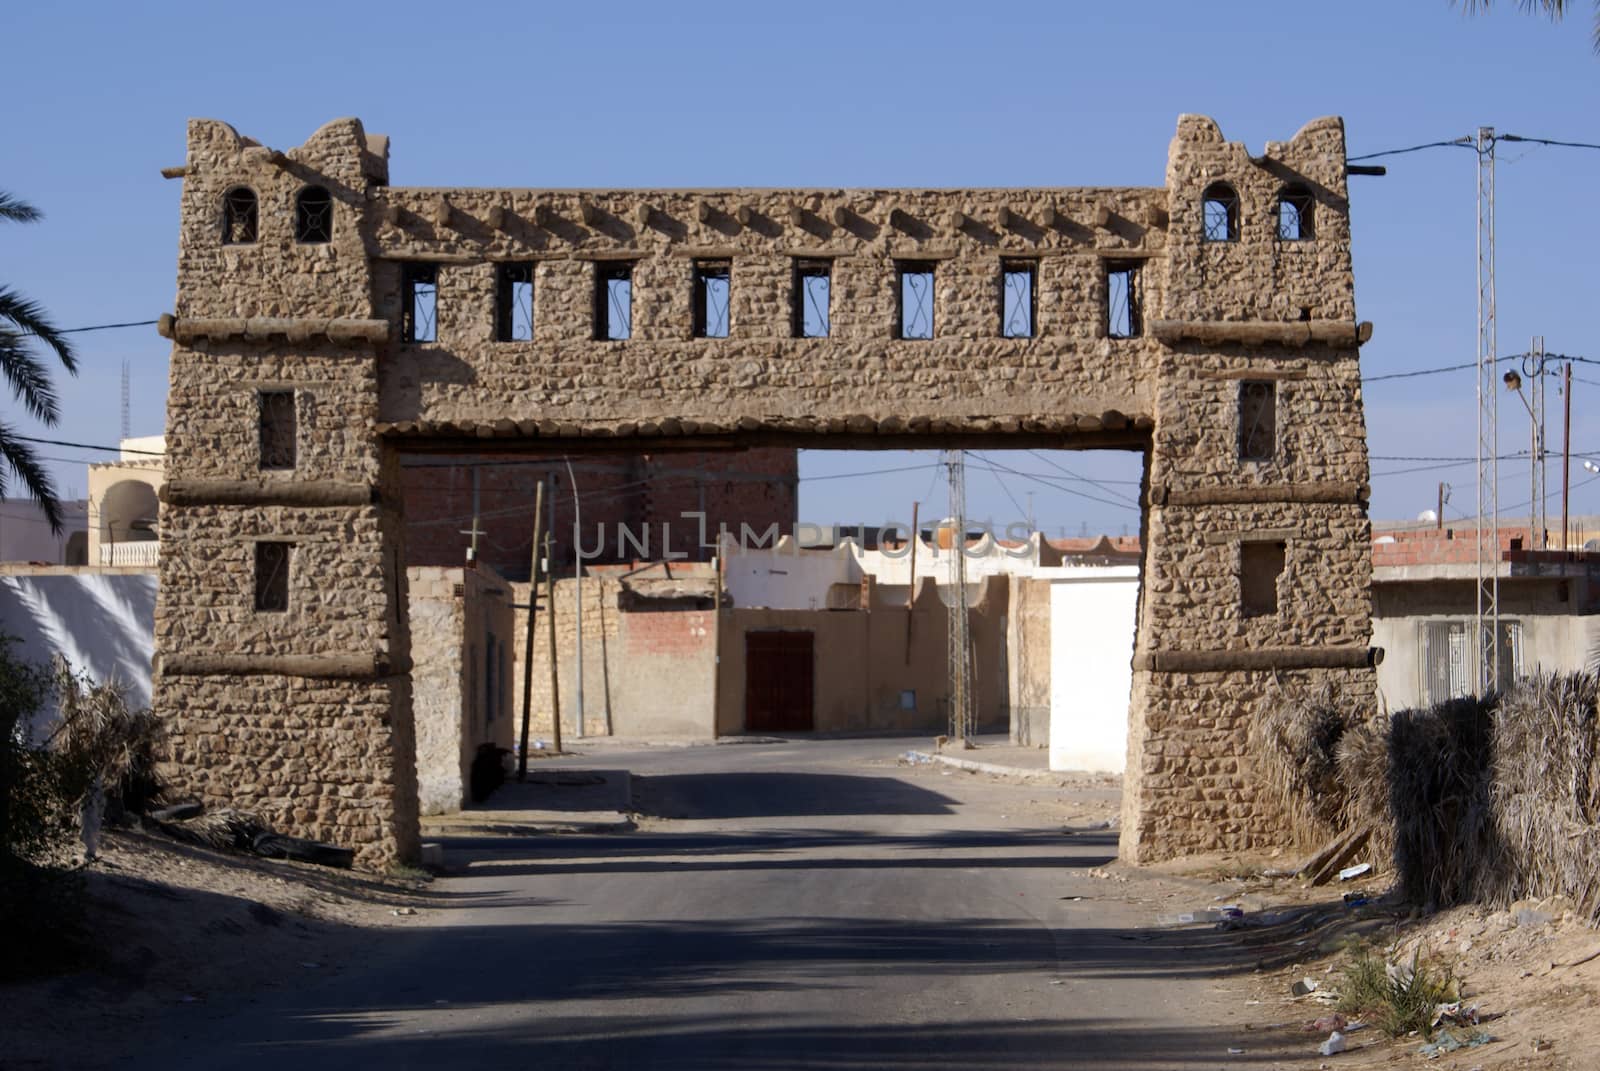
<point>21,322</point>
<point>1554,8</point>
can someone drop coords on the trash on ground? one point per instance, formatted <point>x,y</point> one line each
<point>1451,1040</point>
<point>1328,1023</point>
<point>1304,986</point>
<point>1351,872</point>
<point>1336,1043</point>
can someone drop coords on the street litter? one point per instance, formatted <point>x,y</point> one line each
<point>1336,1043</point>
<point>1225,913</point>
<point>916,758</point>
<point>1350,872</point>
<point>1451,1040</point>
<point>1328,1023</point>
<point>1235,1052</point>
<point>1304,986</point>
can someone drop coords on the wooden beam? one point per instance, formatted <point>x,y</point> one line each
<point>1261,332</point>
<point>1334,492</point>
<point>267,493</point>
<point>1258,658</point>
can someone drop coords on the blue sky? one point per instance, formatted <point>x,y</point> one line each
<point>626,94</point>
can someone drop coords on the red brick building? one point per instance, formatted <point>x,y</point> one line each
<point>640,493</point>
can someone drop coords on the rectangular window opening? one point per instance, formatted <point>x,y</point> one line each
<point>1260,566</point>
<point>513,303</point>
<point>1124,312</point>
<point>713,285</point>
<point>276,428</point>
<point>1258,420</point>
<point>272,576</point>
<point>1018,282</point>
<point>613,301</point>
<point>419,292</point>
<point>813,297</point>
<point>915,290</point>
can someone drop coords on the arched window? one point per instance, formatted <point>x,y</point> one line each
<point>239,216</point>
<point>313,215</point>
<point>1219,209</point>
<point>1294,214</point>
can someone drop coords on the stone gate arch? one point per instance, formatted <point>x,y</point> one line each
<point>1240,383</point>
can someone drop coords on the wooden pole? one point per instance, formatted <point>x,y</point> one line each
<point>911,594</point>
<point>533,619</point>
<point>550,616</point>
<point>1566,448</point>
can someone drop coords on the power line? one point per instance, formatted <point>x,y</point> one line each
<point>1550,141</point>
<point>105,327</point>
<point>1463,142</point>
<point>91,446</point>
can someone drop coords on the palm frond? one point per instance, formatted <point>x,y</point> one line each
<point>19,458</point>
<point>30,381</point>
<point>17,210</point>
<point>31,318</point>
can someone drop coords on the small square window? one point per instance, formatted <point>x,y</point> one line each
<point>1258,420</point>
<point>813,296</point>
<point>915,288</point>
<point>1260,566</point>
<point>513,303</point>
<point>713,284</point>
<point>272,576</point>
<point>1018,281</point>
<point>1124,311</point>
<point>276,428</point>
<point>419,293</point>
<point>613,301</point>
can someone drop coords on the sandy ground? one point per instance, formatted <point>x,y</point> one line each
<point>174,925</point>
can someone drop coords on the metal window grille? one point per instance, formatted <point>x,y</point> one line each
<point>613,301</point>
<point>277,428</point>
<point>1294,215</point>
<point>1260,566</point>
<point>514,303</point>
<point>1220,213</point>
<point>313,215</point>
<point>1018,281</point>
<point>1124,314</point>
<point>419,288</point>
<point>916,300</point>
<point>239,216</point>
<point>1449,669</point>
<point>272,576</point>
<point>713,285</point>
<point>813,289</point>
<point>1258,418</point>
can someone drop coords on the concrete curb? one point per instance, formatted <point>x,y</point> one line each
<point>535,828</point>
<point>1020,773</point>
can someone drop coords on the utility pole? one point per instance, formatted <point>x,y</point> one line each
<point>1537,514</point>
<point>550,619</point>
<point>911,597</point>
<point>1566,447</point>
<point>1439,513</point>
<point>527,647</point>
<point>959,647</point>
<point>577,573</point>
<point>1488,535</point>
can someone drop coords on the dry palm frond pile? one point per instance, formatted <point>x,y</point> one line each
<point>1439,798</point>
<point>1545,793</point>
<point>1295,737</point>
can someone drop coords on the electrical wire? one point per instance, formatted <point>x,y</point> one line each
<point>105,327</point>
<point>1464,142</point>
<point>90,446</point>
<point>1548,141</point>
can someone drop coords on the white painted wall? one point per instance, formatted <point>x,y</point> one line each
<point>1092,616</point>
<point>102,623</point>
<point>780,578</point>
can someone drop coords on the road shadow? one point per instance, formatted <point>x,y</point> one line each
<point>775,794</point>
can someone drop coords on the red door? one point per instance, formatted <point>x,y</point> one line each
<point>778,670</point>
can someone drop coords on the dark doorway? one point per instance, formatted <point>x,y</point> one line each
<point>777,682</point>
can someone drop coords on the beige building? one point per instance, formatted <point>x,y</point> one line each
<point>124,504</point>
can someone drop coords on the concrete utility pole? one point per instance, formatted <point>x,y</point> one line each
<point>527,647</point>
<point>911,596</point>
<point>1566,447</point>
<point>577,573</point>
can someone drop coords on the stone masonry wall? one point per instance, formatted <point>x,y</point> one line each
<point>1255,307</point>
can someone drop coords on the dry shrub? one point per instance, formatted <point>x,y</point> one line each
<point>1363,758</point>
<point>1294,741</point>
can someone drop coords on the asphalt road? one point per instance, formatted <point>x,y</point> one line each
<point>798,905</point>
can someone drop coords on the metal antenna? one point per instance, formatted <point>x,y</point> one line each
<point>127,412</point>
<point>959,650</point>
<point>1488,543</point>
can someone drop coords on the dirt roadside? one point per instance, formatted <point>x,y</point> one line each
<point>170,925</point>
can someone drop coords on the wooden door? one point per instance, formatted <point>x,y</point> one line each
<point>778,675</point>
